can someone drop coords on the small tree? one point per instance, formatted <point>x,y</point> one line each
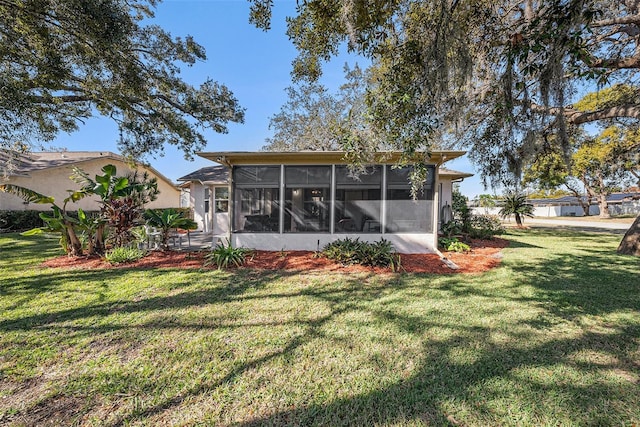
<point>122,201</point>
<point>166,220</point>
<point>515,203</point>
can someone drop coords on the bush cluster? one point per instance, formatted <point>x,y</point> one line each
<point>20,220</point>
<point>353,251</point>
<point>225,256</point>
<point>124,254</point>
<point>452,244</point>
<point>485,226</point>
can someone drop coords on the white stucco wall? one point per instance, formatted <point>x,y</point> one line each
<point>55,182</point>
<point>406,243</point>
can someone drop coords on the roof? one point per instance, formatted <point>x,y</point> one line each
<point>211,174</point>
<point>572,200</point>
<point>21,164</point>
<point>453,174</point>
<point>314,157</point>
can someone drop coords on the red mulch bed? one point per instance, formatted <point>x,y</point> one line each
<point>485,255</point>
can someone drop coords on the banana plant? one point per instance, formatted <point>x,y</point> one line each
<point>168,219</point>
<point>58,222</point>
<point>122,199</point>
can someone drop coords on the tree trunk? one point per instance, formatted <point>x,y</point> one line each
<point>75,245</point>
<point>630,244</point>
<point>518,220</point>
<point>604,206</point>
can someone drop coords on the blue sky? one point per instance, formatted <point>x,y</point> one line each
<point>254,64</point>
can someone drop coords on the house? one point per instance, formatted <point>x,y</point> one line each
<point>304,200</point>
<point>619,204</point>
<point>48,173</point>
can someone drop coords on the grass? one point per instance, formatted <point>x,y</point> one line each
<point>552,337</point>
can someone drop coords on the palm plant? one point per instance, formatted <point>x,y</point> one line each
<point>515,203</point>
<point>166,220</point>
<point>57,222</point>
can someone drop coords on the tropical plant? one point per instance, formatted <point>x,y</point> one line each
<point>224,256</point>
<point>122,200</point>
<point>515,203</point>
<point>166,220</point>
<point>124,254</point>
<point>353,251</point>
<point>56,222</point>
<point>452,244</point>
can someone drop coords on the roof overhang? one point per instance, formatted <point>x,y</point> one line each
<point>231,158</point>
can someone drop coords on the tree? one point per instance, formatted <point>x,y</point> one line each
<point>313,119</point>
<point>65,61</point>
<point>167,219</point>
<point>600,165</point>
<point>495,76</point>
<point>515,203</point>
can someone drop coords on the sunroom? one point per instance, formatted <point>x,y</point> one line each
<point>304,200</point>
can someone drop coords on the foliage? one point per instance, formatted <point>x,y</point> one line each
<point>515,203</point>
<point>56,222</point>
<point>485,226</point>
<point>452,244</point>
<point>598,164</point>
<point>124,254</point>
<point>166,220</point>
<point>19,220</point>
<point>493,76</point>
<point>66,61</point>
<point>451,228</point>
<point>122,200</point>
<point>353,251</point>
<point>122,203</point>
<point>225,256</point>
<point>461,210</point>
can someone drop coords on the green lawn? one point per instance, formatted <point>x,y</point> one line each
<point>552,337</point>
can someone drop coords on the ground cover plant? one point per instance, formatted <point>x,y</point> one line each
<point>551,337</point>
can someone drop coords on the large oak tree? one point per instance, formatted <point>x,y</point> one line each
<point>63,61</point>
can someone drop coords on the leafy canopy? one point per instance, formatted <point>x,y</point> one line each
<point>489,76</point>
<point>62,62</point>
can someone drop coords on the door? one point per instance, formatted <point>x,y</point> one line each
<point>221,211</point>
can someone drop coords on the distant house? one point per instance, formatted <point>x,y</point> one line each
<point>48,173</point>
<point>619,204</point>
<point>304,200</point>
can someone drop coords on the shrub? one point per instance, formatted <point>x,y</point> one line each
<point>124,254</point>
<point>485,226</point>
<point>452,244</point>
<point>226,255</point>
<point>20,220</point>
<point>353,251</point>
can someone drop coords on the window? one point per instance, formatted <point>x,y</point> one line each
<point>403,213</point>
<point>256,198</point>
<point>207,198</point>
<point>222,199</point>
<point>307,195</point>
<point>358,201</point>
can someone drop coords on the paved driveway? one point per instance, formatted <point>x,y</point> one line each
<point>608,226</point>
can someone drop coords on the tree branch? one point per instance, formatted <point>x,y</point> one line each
<point>623,20</point>
<point>577,117</point>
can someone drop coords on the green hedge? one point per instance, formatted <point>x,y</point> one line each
<point>11,221</point>
<point>19,220</point>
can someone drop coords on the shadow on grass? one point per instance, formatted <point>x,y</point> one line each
<point>588,282</point>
